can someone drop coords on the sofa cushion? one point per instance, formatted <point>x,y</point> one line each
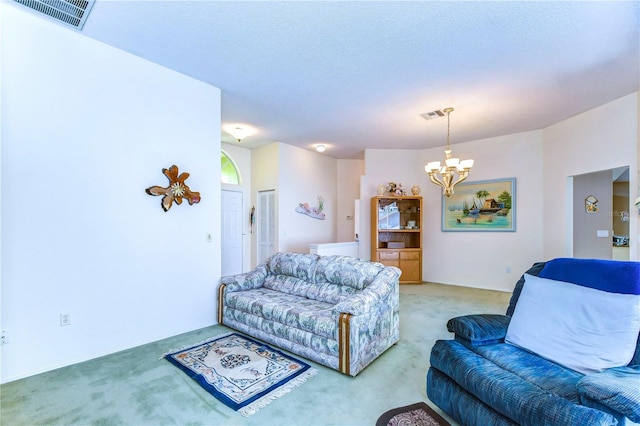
<point>581,328</point>
<point>321,292</point>
<point>479,329</point>
<point>513,396</point>
<point>299,265</point>
<point>287,309</point>
<point>347,271</point>
<point>538,371</point>
<point>616,390</point>
<point>321,349</point>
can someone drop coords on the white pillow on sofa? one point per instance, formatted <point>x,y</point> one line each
<point>581,328</point>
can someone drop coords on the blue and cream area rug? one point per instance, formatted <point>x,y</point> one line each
<point>243,373</point>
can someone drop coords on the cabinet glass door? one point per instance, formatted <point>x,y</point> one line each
<point>389,216</point>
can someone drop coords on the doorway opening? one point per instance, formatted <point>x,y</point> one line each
<point>601,214</point>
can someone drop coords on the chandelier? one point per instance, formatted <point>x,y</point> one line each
<point>451,166</point>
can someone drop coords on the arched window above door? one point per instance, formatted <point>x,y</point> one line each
<point>228,169</point>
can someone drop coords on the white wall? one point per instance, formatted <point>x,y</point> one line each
<point>298,176</point>
<point>348,191</point>
<point>242,158</point>
<point>602,138</point>
<point>305,175</point>
<point>493,260</point>
<point>85,129</point>
<point>475,259</point>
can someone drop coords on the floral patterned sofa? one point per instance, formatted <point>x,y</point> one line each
<point>339,311</point>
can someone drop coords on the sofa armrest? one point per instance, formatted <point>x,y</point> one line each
<point>384,285</point>
<point>246,281</point>
<point>617,389</point>
<point>480,329</point>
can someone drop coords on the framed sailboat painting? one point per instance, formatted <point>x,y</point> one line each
<point>484,206</point>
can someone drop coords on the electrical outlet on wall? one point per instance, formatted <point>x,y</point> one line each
<point>65,319</point>
<point>5,337</point>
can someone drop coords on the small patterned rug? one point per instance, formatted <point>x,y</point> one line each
<point>244,374</point>
<point>418,414</point>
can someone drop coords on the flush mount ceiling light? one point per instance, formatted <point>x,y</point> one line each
<point>321,148</point>
<point>451,166</point>
<point>239,131</point>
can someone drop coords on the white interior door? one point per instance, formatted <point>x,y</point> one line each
<point>232,233</point>
<point>266,224</point>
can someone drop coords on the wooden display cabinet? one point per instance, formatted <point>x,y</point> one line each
<point>396,235</point>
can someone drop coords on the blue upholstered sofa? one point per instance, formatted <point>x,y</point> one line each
<point>479,379</point>
<point>339,311</point>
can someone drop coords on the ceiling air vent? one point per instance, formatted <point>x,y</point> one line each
<point>70,12</point>
<point>432,114</point>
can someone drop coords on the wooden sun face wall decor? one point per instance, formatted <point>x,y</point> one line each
<point>176,191</point>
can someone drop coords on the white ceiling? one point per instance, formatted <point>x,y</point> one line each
<point>355,75</point>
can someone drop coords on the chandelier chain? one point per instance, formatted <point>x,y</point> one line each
<point>448,112</point>
<point>448,128</point>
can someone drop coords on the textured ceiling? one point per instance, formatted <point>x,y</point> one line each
<point>355,75</point>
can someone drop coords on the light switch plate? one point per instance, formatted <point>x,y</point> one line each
<point>602,233</point>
